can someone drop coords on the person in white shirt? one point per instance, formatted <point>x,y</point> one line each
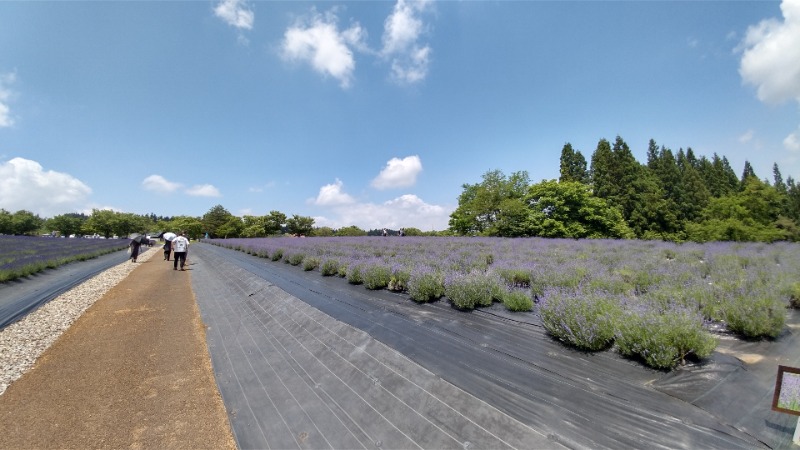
<point>180,246</point>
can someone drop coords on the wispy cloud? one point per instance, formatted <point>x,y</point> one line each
<point>792,142</point>
<point>157,183</point>
<point>317,41</point>
<point>398,173</point>
<point>6,80</point>
<point>402,32</point>
<point>203,190</point>
<point>235,13</point>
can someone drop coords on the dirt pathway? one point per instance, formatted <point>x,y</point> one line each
<point>132,372</point>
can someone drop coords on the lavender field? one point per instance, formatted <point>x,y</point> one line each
<point>21,256</point>
<point>655,301</point>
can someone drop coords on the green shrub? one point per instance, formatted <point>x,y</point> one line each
<point>295,258</point>
<point>663,339</point>
<point>310,263</point>
<point>515,277</point>
<point>277,254</point>
<point>794,295</point>
<point>355,274</point>
<point>517,300</point>
<point>377,276</point>
<point>329,267</point>
<point>756,314</point>
<point>582,319</point>
<point>474,289</point>
<point>426,285</point>
<point>399,280</point>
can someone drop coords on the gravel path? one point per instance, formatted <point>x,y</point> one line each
<point>22,342</point>
<point>132,371</point>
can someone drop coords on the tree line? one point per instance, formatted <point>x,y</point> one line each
<point>673,196</point>
<point>218,222</point>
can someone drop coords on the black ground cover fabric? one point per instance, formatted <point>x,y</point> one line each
<point>20,297</point>
<point>507,360</point>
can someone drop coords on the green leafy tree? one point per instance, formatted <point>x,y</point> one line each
<point>570,210</point>
<point>215,218</point>
<point>25,222</point>
<point>792,199</point>
<point>123,224</point>
<point>66,224</point>
<point>253,226</point>
<point>232,228</point>
<point>192,226</point>
<point>750,215</point>
<point>479,205</point>
<point>324,232</point>
<point>351,230</point>
<point>512,219</point>
<point>274,222</point>
<point>300,225</point>
<point>6,220</point>
<point>102,222</point>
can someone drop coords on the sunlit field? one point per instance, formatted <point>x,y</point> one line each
<point>651,300</point>
<point>21,256</point>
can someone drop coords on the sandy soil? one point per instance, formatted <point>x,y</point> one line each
<point>132,372</point>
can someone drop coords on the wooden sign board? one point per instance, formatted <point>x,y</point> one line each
<point>787,391</point>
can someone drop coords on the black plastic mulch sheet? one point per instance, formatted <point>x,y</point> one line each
<point>291,377</point>
<point>19,298</point>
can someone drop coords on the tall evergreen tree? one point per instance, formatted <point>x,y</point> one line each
<point>573,165</point>
<point>779,185</point>
<point>693,195</point>
<point>731,181</point>
<point>748,172</point>
<point>601,170</point>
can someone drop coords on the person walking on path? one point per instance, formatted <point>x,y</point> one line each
<point>180,246</point>
<point>135,246</point>
<point>167,249</point>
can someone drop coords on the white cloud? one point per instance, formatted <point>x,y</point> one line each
<point>318,42</point>
<point>24,184</point>
<point>157,183</point>
<point>401,35</point>
<point>235,13</point>
<point>332,195</point>
<point>5,95</point>
<point>203,190</point>
<point>747,136</point>
<point>792,142</point>
<point>398,173</point>
<point>771,56</point>
<point>402,212</point>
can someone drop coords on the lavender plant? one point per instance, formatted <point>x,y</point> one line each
<point>664,338</point>
<point>21,256</point>
<point>517,300</point>
<point>584,320</point>
<point>426,284</point>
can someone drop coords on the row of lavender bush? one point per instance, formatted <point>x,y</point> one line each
<point>648,299</point>
<point>21,256</point>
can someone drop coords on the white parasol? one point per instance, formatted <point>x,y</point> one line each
<point>168,236</point>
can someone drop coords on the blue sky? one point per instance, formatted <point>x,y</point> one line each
<point>373,113</point>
